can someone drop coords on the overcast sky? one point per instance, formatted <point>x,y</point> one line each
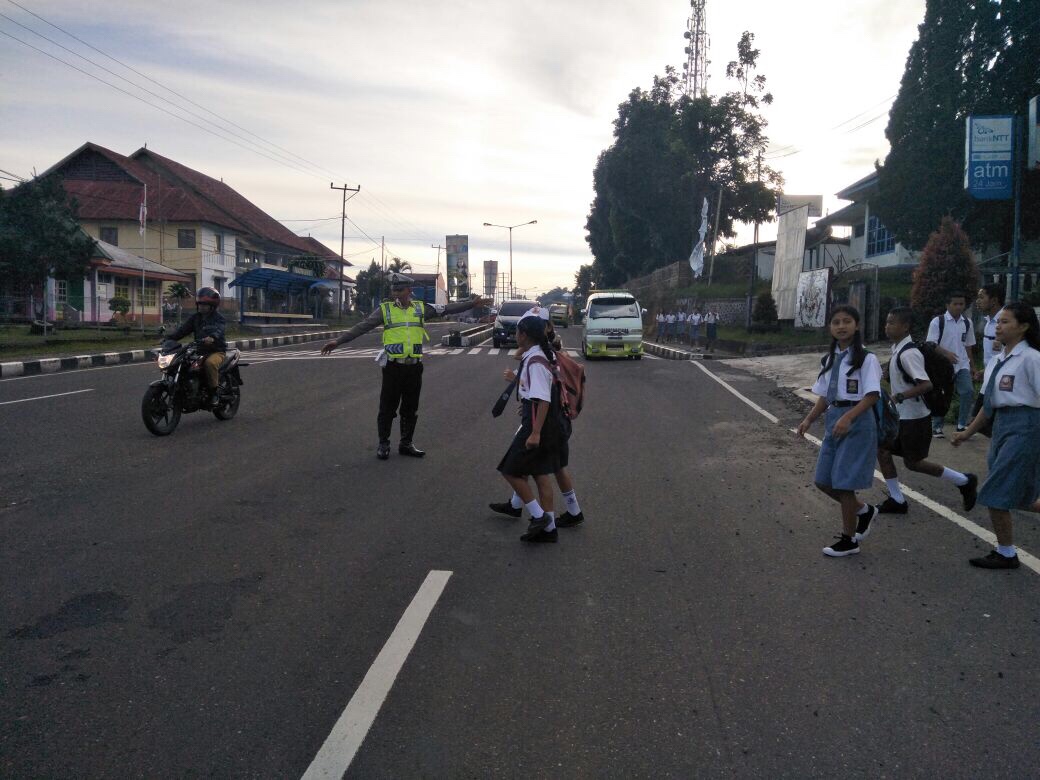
<point>448,113</point>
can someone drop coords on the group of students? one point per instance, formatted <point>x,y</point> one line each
<point>849,386</point>
<point>540,448</point>
<point>682,327</point>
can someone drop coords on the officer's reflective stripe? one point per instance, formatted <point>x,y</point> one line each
<point>395,349</point>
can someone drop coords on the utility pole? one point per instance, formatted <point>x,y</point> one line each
<point>753,266</point>
<point>438,247</point>
<point>715,236</point>
<point>144,250</point>
<point>342,236</point>
<point>382,267</point>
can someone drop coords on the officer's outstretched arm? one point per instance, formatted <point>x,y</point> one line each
<point>363,327</point>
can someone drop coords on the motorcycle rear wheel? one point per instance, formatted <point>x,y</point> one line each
<point>159,412</point>
<point>228,408</point>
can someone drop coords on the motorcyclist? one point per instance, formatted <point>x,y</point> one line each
<point>207,325</point>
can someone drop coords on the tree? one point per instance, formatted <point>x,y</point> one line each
<point>971,57</point>
<point>399,266</point>
<point>39,235</point>
<point>584,280</point>
<point>670,151</point>
<point>312,264</point>
<point>764,312</point>
<point>947,266</point>
<point>369,286</point>
<point>554,295</point>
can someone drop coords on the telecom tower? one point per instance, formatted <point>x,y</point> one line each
<point>695,69</point>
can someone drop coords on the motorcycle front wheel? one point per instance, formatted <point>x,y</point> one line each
<point>231,394</point>
<point>159,412</point>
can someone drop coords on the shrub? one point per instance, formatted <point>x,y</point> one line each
<point>764,312</point>
<point>119,304</point>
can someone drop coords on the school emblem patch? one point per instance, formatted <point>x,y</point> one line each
<point>852,386</point>
<point>1007,383</point>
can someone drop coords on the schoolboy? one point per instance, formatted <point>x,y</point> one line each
<point>954,334</point>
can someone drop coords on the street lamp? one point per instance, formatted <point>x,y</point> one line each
<point>510,229</point>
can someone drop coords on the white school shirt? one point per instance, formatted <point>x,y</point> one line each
<point>696,318</point>
<point>865,380</point>
<point>913,364</point>
<point>1018,383</point>
<point>535,380</point>
<point>711,318</point>
<point>955,338</point>
<point>682,316</point>
<point>670,318</point>
<point>989,335</point>
<point>660,318</point>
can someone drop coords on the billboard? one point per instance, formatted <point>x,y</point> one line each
<point>785,203</point>
<point>457,252</point>
<point>989,157</point>
<point>490,278</point>
<point>813,294</point>
<point>1034,133</point>
<point>790,251</point>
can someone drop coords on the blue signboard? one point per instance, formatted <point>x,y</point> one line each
<point>989,157</point>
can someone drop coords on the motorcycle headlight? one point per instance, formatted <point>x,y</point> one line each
<point>165,360</point>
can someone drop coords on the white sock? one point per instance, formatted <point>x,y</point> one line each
<point>516,502</point>
<point>863,510</point>
<point>1007,550</point>
<point>572,502</point>
<point>955,477</point>
<point>551,524</point>
<point>535,509</point>
<point>894,491</point>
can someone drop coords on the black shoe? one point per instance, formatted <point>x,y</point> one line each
<point>863,522</point>
<point>410,450</point>
<point>937,433</point>
<point>567,520</point>
<point>536,532</point>
<point>892,507</point>
<point>383,450</point>
<point>844,546</point>
<point>970,491</point>
<point>506,508</point>
<point>962,428</point>
<point>995,561</point>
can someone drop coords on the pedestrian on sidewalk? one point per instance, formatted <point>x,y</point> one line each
<point>990,301</point>
<point>670,325</point>
<point>1011,398</point>
<point>711,321</point>
<point>534,451</point>
<point>909,382</point>
<point>661,326</point>
<point>694,322</point>
<point>848,386</point>
<point>680,326</point>
<point>954,334</point>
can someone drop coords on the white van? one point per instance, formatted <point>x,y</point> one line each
<point>613,326</point>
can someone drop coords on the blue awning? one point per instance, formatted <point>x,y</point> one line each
<point>271,279</point>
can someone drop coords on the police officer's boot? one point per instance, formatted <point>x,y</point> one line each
<point>406,447</point>
<point>383,450</point>
<point>383,425</point>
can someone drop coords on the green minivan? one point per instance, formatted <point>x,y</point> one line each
<point>613,326</point>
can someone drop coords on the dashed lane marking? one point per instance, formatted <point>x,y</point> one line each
<point>42,397</point>
<point>1028,560</point>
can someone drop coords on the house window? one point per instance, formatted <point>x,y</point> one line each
<point>185,238</point>
<point>110,235</point>
<point>149,294</point>
<point>858,230</point>
<point>122,287</point>
<point>220,243</point>
<point>879,240</point>
<point>61,291</point>
<point>218,282</point>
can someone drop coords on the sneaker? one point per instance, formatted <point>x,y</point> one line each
<point>970,491</point>
<point>892,507</point>
<point>962,428</point>
<point>567,520</point>
<point>844,546</point>
<point>536,532</point>
<point>937,433</point>
<point>863,522</point>
<point>506,508</point>
<point>995,561</point>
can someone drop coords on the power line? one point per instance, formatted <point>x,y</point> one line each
<point>16,176</point>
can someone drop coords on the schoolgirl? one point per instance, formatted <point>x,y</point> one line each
<point>1011,397</point>
<point>534,451</point>
<point>848,385</point>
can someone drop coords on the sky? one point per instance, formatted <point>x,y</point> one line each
<point>448,114</point>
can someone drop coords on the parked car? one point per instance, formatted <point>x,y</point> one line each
<point>560,314</point>
<point>613,326</point>
<point>509,313</point>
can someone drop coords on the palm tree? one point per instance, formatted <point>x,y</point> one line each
<point>399,266</point>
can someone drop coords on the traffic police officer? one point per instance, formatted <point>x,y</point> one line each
<point>403,321</point>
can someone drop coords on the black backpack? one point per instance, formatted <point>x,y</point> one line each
<point>940,374</point>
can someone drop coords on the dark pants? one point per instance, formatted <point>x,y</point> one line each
<point>401,387</point>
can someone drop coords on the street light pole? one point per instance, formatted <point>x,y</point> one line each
<point>512,289</point>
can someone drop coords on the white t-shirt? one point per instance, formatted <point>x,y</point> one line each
<point>711,318</point>
<point>913,364</point>
<point>660,317</point>
<point>535,380</point>
<point>957,336</point>
<point>1018,382</point>
<point>696,318</point>
<point>989,335</point>
<point>670,318</point>
<point>682,316</point>
<point>852,387</point>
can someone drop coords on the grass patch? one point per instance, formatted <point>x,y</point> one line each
<point>787,338</point>
<point>718,290</point>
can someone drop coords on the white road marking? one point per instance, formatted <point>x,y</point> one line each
<point>148,363</point>
<point>350,730</point>
<point>494,350</point>
<point>475,351</point>
<point>648,356</point>
<point>1028,560</point>
<point>42,397</point>
<point>456,351</point>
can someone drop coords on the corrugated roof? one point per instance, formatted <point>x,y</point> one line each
<point>114,257</point>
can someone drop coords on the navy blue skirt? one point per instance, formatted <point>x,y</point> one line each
<point>1013,460</point>
<point>519,461</point>
<point>848,463</point>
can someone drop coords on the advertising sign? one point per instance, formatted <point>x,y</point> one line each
<point>989,157</point>
<point>813,292</point>
<point>790,251</point>
<point>785,203</point>
<point>457,251</point>
<point>1034,133</point>
<point>490,278</point>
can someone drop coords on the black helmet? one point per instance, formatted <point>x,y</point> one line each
<point>207,295</point>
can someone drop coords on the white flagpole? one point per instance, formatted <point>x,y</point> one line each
<point>144,247</point>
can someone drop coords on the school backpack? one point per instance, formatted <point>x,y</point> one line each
<point>886,415</point>
<point>555,428</point>
<point>571,375</point>
<point>940,374</point>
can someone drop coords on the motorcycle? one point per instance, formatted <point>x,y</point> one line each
<point>183,388</point>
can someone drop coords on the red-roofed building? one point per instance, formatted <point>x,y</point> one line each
<point>196,224</point>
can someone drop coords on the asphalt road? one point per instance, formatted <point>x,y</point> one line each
<point>208,603</point>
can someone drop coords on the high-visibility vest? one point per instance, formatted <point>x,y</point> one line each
<point>403,330</point>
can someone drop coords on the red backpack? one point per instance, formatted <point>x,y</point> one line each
<point>569,378</point>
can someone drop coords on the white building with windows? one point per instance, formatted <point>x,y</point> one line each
<point>869,240</point>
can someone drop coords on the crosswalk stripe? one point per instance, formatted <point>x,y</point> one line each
<point>494,351</point>
<point>475,351</point>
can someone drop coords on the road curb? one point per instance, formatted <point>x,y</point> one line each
<point>668,353</point>
<point>79,362</point>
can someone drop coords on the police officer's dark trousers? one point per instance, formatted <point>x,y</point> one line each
<point>402,383</point>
